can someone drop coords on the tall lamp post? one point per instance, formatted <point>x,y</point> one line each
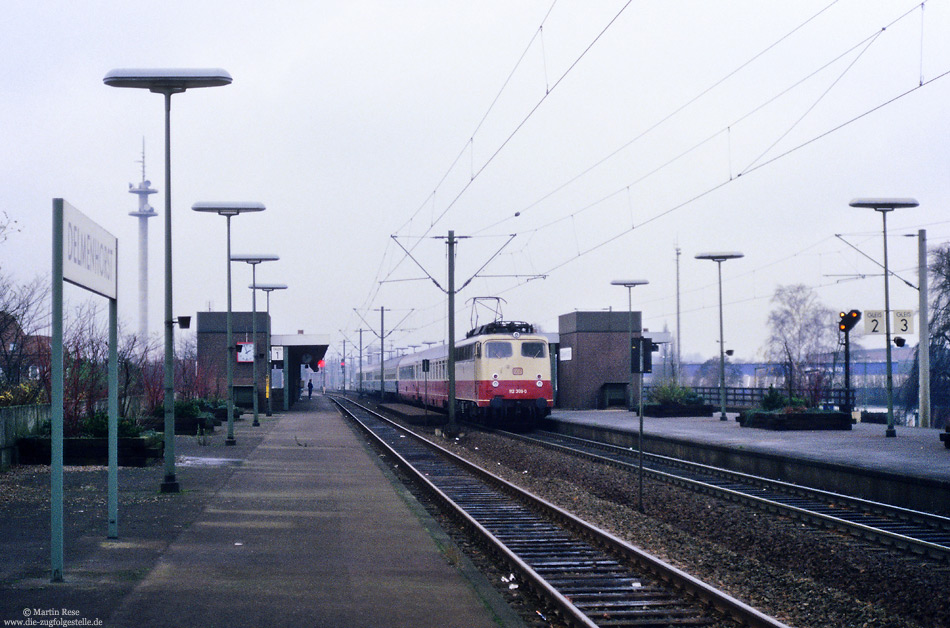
<point>228,210</point>
<point>719,258</point>
<point>885,205</point>
<point>168,82</point>
<point>254,260</point>
<point>267,288</point>
<point>630,284</point>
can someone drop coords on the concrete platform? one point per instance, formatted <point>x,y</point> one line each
<point>911,469</point>
<point>308,531</point>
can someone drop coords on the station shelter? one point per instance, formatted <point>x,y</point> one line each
<point>290,357</point>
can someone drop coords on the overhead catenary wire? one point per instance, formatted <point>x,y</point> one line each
<point>519,125</point>
<point>716,186</point>
<point>538,104</point>
<point>754,166</point>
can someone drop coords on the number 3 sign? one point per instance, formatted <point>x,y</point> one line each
<point>903,322</point>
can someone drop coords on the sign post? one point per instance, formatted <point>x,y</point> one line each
<point>86,255</point>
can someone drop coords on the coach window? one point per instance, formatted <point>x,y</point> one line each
<point>497,349</point>
<point>532,349</point>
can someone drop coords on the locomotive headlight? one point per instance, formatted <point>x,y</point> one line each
<point>494,375</point>
<point>494,383</point>
<point>539,383</point>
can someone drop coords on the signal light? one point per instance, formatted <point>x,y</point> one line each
<point>848,320</point>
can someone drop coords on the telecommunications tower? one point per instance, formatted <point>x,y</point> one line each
<point>143,213</point>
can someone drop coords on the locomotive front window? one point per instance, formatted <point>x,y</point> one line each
<point>497,349</point>
<point>532,349</point>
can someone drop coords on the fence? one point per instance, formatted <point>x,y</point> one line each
<point>737,397</point>
<point>17,421</point>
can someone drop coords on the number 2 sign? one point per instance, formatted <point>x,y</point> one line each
<point>873,321</point>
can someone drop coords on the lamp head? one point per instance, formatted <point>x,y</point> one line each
<point>227,208</point>
<point>720,256</point>
<point>629,283</point>
<point>252,258</point>
<point>884,204</point>
<point>167,80</point>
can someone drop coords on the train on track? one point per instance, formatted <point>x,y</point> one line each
<point>502,376</point>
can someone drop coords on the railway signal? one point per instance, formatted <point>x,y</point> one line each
<point>641,355</point>
<point>846,322</point>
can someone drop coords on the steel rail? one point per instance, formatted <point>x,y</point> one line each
<point>744,486</point>
<point>672,577</point>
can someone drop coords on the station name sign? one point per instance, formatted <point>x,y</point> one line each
<point>90,253</point>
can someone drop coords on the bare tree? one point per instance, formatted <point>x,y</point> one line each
<point>7,226</point>
<point>708,373</point>
<point>803,333</point>
<point>194,379</point>
<point>24,315</point>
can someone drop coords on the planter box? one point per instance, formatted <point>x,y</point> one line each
<point>184,426</point>
<point>133,451</point>
<point>797,420</point>
<point>873,417</point>
<point>676,409</point>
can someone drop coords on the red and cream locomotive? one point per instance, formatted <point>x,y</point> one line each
<point>502,376</point>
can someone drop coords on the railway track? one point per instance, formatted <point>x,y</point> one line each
<point>589,576</point>
<point>920,533</point>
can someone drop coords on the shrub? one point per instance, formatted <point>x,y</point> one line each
<point>97,426</point>
<point>23,394</point>
<point>774,400</point>
<point>183,410</point>
<point>672,393</point>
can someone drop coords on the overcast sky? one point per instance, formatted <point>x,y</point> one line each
<point>605,135</point>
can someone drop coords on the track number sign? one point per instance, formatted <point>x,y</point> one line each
<point>902,323</point>
<point>873,321</point>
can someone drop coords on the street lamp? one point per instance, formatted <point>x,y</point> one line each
<point>885,205</point>
<point>630,284</point>
<point>228,210</point>
<point>267,288</point>
<point>254,260</point>
<point>168,82</point>
<point>719,258</point>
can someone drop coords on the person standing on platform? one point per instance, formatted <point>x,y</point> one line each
<point>310,389</point>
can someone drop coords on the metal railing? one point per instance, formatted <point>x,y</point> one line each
<point>741,397</point>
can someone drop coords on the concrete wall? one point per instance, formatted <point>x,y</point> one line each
<point>905,491</point>
<point>15,422</point>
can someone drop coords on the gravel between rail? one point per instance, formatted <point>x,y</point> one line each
<point>804,576</point>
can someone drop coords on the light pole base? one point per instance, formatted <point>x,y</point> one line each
<point>230,442</point>
<point>723,417</point>
<point>256,423</point>
<point>890,432</point>
<point>170,485</point>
